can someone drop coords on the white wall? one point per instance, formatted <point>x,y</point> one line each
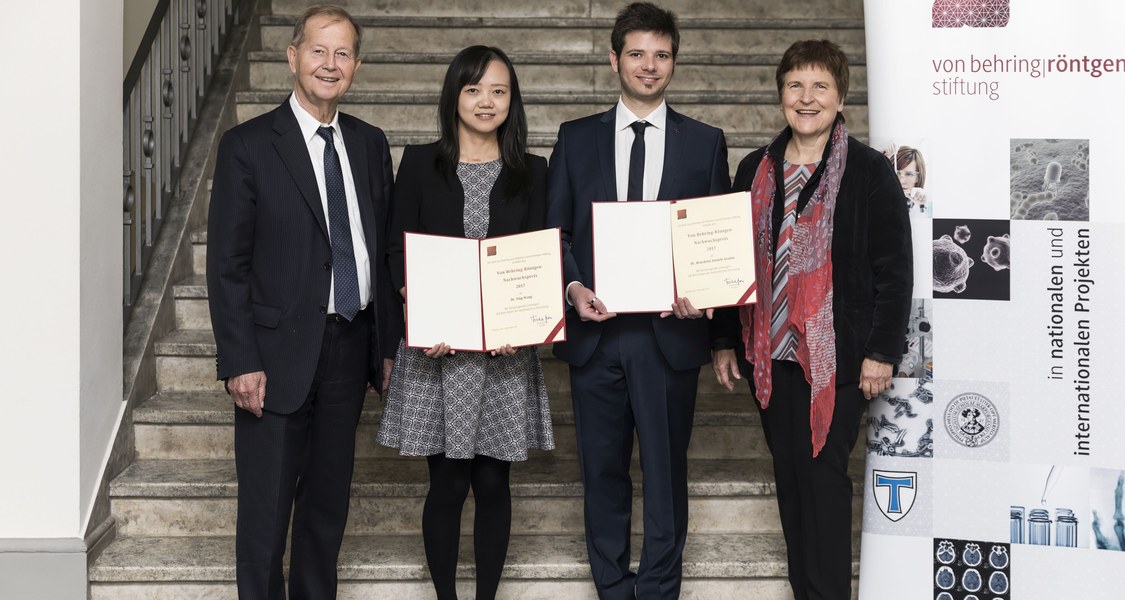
<point>39,240</point>
<point>60,358</point>
<point>100,385</point>
<point>136,17</point>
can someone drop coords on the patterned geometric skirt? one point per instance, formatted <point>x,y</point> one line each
<point>467,404</point>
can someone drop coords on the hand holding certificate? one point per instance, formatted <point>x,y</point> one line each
<point>480,295</point>
<point>648,254</point>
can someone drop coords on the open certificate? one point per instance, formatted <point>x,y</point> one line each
<point>647,254</point>
<point>478,295</point>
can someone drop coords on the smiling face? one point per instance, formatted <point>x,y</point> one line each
<point>810,100</point>
<point>482,107</point>
<point>323,65</point>
<point>645,69</point>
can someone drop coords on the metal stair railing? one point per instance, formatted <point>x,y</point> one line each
<point>164,88</point>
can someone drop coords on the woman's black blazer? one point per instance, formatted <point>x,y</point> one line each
<point>427,200</point>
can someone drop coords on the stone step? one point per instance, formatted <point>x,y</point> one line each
<point>575,34</point>
<point>200,425</point>
<point>185,362</point>
<point>199,258</point>
<point>191,302</point>
<point>735,113</point>
<point>548,72</point>
<point>538,567</point>
<point>190,294</point>
<point>198,497</point>
<point>604,9</point>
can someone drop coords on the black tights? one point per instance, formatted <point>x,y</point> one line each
<point>450,479</point>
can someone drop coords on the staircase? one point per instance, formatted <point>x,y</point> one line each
<point>175,505</point>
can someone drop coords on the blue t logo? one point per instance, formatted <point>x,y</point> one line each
<point>894,505</point>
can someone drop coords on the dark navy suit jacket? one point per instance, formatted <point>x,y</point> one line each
<point>269,256</point>
<point>582,171</point>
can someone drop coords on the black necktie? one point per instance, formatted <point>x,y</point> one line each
<point>339,231</point>
<point>636,188</point>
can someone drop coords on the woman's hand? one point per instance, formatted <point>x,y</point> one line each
<point>725,364</point>
<point>874,377</point>
<point>439,351</point>
<point>505,350</point>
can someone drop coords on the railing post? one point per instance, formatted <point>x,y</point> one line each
<point>185,92</point>
<point>164,88</point>
<point>127,201</point>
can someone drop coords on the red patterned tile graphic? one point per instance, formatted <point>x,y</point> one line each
<point>971,13</point>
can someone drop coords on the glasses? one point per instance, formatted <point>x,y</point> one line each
<point>907,173</point>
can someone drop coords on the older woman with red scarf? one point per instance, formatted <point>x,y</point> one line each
<point>835,274</point>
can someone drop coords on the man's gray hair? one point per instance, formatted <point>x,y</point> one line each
<point>333,12</point>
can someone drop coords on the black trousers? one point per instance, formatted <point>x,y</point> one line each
<point>300,465</point>
<point>814,495</point>
<point>627,386</point>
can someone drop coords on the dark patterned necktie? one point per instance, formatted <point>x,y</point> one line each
<point>339,231</point>
<point>636,188</point>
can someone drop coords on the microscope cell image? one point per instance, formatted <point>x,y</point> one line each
<point>951,266</point>
<point>900,420</point>
<point>972,259</point>
<point>1050,180</point>
<point>996,252</point>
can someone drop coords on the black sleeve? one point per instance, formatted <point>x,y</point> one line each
<point>406,211</point>
<point>230,250</point>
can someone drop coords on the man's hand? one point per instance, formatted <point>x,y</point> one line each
<point>725,364</point>
<point>588,306</point>
<point>249,391</point>
<point>874,377</point>
<point>683,309</point>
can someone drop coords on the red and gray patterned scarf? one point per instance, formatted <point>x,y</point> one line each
<point>809,287</point>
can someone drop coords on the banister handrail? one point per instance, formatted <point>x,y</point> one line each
<point>163,88</point>
<point>139,58</point>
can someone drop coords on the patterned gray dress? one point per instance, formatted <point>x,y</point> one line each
<point>469,403</point>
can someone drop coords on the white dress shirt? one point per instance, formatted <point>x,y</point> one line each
<point>654,149</point>
<point>655,135</point>
<point>309,124</point>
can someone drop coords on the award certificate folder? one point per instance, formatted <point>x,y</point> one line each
<point>647,254</point>
<point>478,295</point>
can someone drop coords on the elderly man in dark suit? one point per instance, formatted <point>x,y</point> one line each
<point>633,372</point>
<point>301,307</point>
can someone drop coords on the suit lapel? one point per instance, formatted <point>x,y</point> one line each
<point>357,157</point>
<point>673,148</point>
<point>294,152</point>
<point>607,158</point>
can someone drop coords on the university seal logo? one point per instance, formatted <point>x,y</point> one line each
<point>971,13</point>
<point>895,492</point>
<point>972,420</point>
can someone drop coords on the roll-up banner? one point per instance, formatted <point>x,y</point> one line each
<point>996,464</point>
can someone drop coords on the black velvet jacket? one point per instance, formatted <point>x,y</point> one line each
<point>872,256</point>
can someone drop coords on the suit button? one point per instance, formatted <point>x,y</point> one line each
<point>323,310</point>
<point>328,265</point>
